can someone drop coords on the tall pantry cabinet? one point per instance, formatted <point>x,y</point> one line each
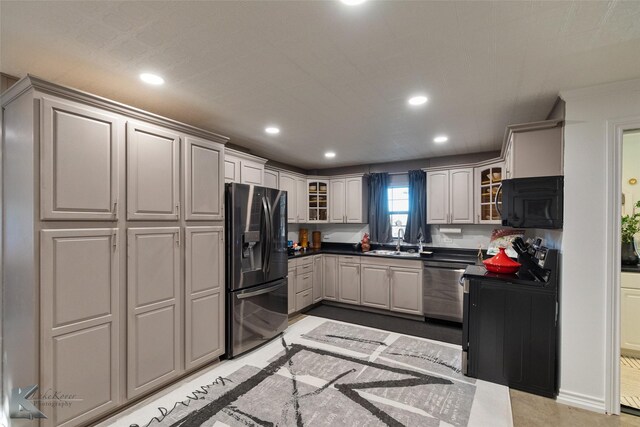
<point>113,249</point>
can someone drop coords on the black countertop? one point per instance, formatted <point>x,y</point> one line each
<point>439,254</point>
<point>631,268</point>
<point>522,277</point>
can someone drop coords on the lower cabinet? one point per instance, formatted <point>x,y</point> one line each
<point>204,295</point>
<point>153,299</point>
<point>80,325</point>
<point>349,280</point>
<point>630,318</point>
<point>318,270</point>
<point>291,285</point>
<point>406,290</point>
<point>330,277</point>
<point>375,286</point>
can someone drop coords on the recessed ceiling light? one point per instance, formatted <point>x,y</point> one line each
<point>440,139</point>
<point>272,130</point>
<point>352,2</point>
<point>329,154</point>
<point>417,100</point>
<point>151,79</point>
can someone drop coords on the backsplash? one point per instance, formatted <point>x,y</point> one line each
<point>471,236</point>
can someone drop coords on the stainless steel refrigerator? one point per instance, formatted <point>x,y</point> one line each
<point>256,266</point>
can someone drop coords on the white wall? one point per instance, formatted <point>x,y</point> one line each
<point>584,262</point>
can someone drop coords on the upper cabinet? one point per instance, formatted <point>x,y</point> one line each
<point>534,149</point>
<point>488,197</point>
<point>243,168</point>
<point>79,162</point>
<point>203,179</point>
<point>152,173</point>
<point>450,196</point>
<point>348,200</point>
<point>296,188</point>
<point>271,178</point>
<point>318,196</point>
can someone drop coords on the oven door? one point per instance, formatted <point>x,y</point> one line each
<point>256,315</point>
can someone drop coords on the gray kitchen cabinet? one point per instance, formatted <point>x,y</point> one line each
<point>291,287</point>
<point>301,199</point>
<point>406,290</point>
<point>330,276</point>
<point>288,184</point>
<point>204,294</point>
<point>153,299</point>
<point>534,149</point>
<point>152,173</point>
<point>243,168</point>
<point>450,196</point>
<point>79,162</point>
<point>80,321</point>
<point>349,279</point>
<point>337,200</point>
<point>203,177</point>
<point>304,283</point>
<point>375,286</point>
<point>271,178</point>
<point>348,200</point>
<point>231,169</point>
<point>318,273</point>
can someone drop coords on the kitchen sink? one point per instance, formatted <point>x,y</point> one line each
<point>385,252</point>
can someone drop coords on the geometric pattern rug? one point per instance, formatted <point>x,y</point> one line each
<point>326,373</point>
<point>630,381</point>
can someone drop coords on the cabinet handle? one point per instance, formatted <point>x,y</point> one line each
<point>115,207</point>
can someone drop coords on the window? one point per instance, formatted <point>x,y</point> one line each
<point>398,208</point>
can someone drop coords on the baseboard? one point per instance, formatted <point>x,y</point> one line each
<point>582,401</point>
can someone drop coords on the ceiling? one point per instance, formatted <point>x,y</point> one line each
<point>331,76</point>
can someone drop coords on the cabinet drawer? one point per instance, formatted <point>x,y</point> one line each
<point>305,268</point>
<point>304,299</point>
<point>350,259</point>
<point>304,281</point>
<point>308,260</point>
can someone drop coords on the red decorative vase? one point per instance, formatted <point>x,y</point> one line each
<point>501,263</point>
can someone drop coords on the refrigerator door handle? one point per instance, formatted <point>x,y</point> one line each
<point>260,292</point>
<point>267,243</point>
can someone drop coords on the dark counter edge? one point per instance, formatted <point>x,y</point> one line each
<point>631,268</point>
<point>439,253</point>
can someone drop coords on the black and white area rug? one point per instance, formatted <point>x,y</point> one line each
<point>328,373</point>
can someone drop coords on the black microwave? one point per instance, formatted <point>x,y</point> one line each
<point>532,202</point>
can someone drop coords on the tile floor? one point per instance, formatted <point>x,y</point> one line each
<point>630,381</point>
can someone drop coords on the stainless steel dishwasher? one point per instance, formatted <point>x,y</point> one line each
<point>442,295</point>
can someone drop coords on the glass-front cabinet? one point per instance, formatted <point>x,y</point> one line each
<point>317,200</point>
<point>488,199</point>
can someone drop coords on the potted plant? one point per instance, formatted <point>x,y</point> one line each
<point>630,227</point>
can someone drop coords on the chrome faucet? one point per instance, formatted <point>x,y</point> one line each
<point>400,236</point>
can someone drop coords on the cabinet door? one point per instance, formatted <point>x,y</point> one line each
<point>353,201</point>
<point>406,290</point>
<point>301,199</point>
<point>438,197</point>
<point>337,194</point>
<point>271,179</point>
<point>487,183</point>
<point>291,289</point>
<point>153,302</point>
<point>461,196</point>
<point>630,319</point>
<point>349,283</point>
<point>288,184</point>
<point>330,276</point>
<point>79,162</point>
<point>375,286</point>
<point>203,179</point>
<point>204,294</point>
<point>318,270</point>
<point>231,169</point>
<point>80,321</point>
<point>251,172</point>
<point>152,173</point>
